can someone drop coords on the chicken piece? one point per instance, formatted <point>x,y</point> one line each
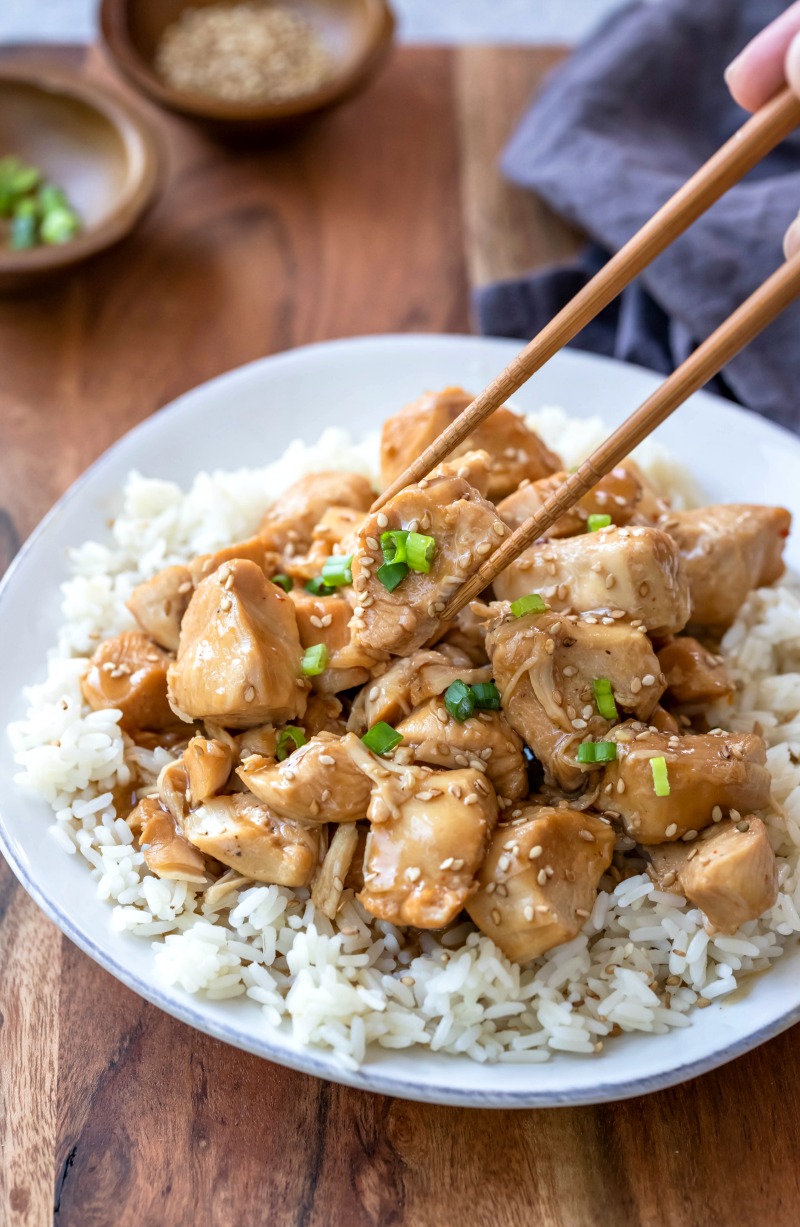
<point>475,468</point>
<point>165,850</point>
<point>239,656</point>
<point>288,526</point>
<point>319,782</point>
<point>241,832</point>
<point>324,715</point>
<point>409,682</point>
<point>466,530</point>
<point>729,872</point>
<point>515,451</point>
<point>253,550</point>
<point>709,775</point>
<point>616,494</point>
<point>545,665</point>
<point>428,837</point>
<point>652,504</point>
<point>663,721</point>
<point>129,673</point>
<point>208,764</point>
<point>538,883</point>
<point>485,742</point>
<point>262,740</point>
<point>158,605</point>
<point>694,676</point>
<point>467,631</point>
<point>727,551</point>
<point>637,570</point>
<point>328,885</point>
<point>326,619</point>
<point>334,534</point>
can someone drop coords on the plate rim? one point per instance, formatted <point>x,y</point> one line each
<point>322,1064</point>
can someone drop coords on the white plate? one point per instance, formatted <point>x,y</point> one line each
<point>248,417</point>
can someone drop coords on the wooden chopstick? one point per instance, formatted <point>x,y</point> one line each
<point>776,293</point>
<point>761,133</point>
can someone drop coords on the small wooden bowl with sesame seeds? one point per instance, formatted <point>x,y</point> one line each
<point>347,39</point>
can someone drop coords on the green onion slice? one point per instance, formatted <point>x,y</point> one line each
<point>459,701</point>
<point>420,551</point>
<point>381,738</point>
<point>318,587</point>
<point>597,752</point>
<point>532,603</point>
<point>283,581</point>
<point>290,738</point>
<point>391,574</point>
<point>597,521</point>
<point>314,660</point>
<point>336,571</point>
<point>393,545</point>
<point>604,698</point>
<point>486,696</point>
<point>658,766</point>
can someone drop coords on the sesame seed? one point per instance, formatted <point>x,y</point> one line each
<point>689,836</point>
<point>471,799</point>
<point>503,864</point>
<point>579,725</point>
<point>569,671</point>
<point>586,836</point>
<point>535,852</point>
<point>499,529</point>
<point>249,694</point>
<point>458,864</point>
<point>373,543</point>
<point>541,877</point>
<point>610,581</point>
<point>716,814</point>
<point>671,830</point>
<point>338,884</point>
<point>562,592</point>
<point>315,621</point>
<point>327,760</point>
<point>185,587</point>
<point>496,916</point>
<point>483,548</point>
<point>446,863</point>
<point>374,693</point>
<point>382,520</point>
<point>527,912</point>
<point>413,874</point>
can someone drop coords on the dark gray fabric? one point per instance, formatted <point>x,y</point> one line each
<point>618,128</point>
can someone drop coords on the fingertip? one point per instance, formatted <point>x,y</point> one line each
<point>739,84</point>
<point>792,66</point>
<point>791,241</point>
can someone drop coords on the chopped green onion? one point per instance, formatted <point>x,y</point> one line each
<point>318,587</point>
<point>23,226</point>
<point>314,660</point>
<point>336,570</point>
<point>597,752</point>
<point>486,696</point>
<point>391,574</point>
<point>597,521</point>
<point>604,698</point>
<point>59,226</point>
<point>528,604</point>
<point>52,197</point>
<point>381,738</point>
<point>658,766</point>
<point>459,701</point>
<point>283,581</point>
<point>420,551</point>
<point>393,545</point>
<point>289,739</point>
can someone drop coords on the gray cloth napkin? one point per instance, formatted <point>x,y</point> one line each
<point>617,130</point>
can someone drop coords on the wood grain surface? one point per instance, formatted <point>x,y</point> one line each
<point>113,1114</point>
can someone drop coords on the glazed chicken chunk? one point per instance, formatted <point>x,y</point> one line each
<point>694,676</point>
<point>165,849</point>
<point>516,452</point>
<point>485,742</point>
<point>319,782</point>
<point>158,605</point>
<point>129,672</point>
<point>208,764</point>
<point>326,620</point>
<point>538,883</point>
<point>545,666</point>
<point>708,776</point>
<point>616,495</point>
<point>729,872</point>
<point>409,682</point>
<point>428,836</point>
<point>727,551</point>
<point>239,655</point>
<point>242,833</point>
<point>465,529</point>
<point>289,526</point>
<point>636,570</point>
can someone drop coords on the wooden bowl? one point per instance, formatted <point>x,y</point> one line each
<point>357,35</point>
<point>88,142</point>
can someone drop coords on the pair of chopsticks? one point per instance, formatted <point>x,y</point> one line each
<point>761,133</point>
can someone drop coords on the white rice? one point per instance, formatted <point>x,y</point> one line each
<point>347,985</point>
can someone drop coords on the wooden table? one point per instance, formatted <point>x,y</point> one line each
<point>111,1113</point>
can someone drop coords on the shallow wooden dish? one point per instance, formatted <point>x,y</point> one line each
<point>91,144</point>
<point>356,33</point>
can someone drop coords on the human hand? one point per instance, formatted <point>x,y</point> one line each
<point>770,61</point>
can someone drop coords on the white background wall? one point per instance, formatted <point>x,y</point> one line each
<point>442,21</point>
